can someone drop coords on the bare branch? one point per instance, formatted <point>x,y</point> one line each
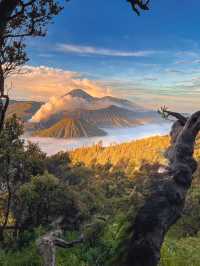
<point>165,113</point>
<point>63,244</point>
<point>140,4</point>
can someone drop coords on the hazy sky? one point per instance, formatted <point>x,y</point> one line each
<point>103,47</point>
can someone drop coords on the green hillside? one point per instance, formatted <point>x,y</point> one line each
<point>96,191</point>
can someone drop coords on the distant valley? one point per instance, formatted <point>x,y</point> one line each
<point>78,114</point>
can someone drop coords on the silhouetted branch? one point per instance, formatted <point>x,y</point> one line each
<point>135,4</point>
<point>165,113</point>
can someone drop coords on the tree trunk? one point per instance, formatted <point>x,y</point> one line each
<point>15,231</point>
<point>165,205</point>
<point>1,236</point>
<point>4,99</point>
<point>1,99</point>
<point>47,250</point>
<point>6,9</point>
<point>1,80</point>
<point>48,243</point>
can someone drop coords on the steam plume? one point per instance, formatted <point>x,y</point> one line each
<point>56,105</point>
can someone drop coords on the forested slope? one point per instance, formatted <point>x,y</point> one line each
<point>131,154</point>
<point>97,191</point>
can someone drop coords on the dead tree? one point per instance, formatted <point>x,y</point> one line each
<point>48,243</point>
<point>165,204</point>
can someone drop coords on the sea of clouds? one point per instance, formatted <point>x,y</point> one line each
<point>115,136</point>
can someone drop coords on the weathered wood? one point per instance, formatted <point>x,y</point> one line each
<point>47,246</point>
<point>165,205</point>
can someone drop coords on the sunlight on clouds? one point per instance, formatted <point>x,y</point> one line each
<point>41,83</point>
<point>181,91</point>
<point>178,103</point>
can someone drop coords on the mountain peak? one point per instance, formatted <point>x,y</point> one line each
<point>81,94</point>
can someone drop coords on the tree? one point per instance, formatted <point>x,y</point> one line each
<point>20,19</point>
<point>165,205</point>
<point>42,200</point>
<point>35,162</point>
<point>11,164</point>
<point>59,165</point>
<point>18,162</point>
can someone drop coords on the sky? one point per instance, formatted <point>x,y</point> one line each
<point>105,48</point>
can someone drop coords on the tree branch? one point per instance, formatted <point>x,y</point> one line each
<point>165,113</point>
<point>21,11</point>
<point>63,244</point>
<point>6,9</point>
<point>140,4</point>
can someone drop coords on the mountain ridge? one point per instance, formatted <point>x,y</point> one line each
<point>80,93</point>
<point>97,113</point>
<point>112,116</point>
<point>70,128</point>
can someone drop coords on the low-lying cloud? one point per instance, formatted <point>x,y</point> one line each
<point>115,136</point>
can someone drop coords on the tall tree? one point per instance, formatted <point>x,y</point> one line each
<point>20,19</point>
<point>19,162</point>
<point>11,165</point>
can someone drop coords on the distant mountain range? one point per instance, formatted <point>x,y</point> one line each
<point>23,109</point>
<point>112,116</point>
<point>86,120</point>
<point>103,102</point>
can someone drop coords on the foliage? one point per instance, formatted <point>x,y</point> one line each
<point>11,165</point>
<point>20,19</point>
<point>181,252</point>
<point>30,196</point>
<point>126,156</point>
<point>97,191</point>
<point>42,200</point>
